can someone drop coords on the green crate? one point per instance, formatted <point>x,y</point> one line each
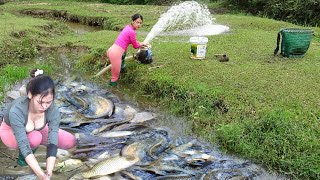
<point>294,43</point>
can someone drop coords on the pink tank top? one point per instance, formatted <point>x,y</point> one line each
<point>126,37</point>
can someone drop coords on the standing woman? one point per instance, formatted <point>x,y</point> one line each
<point>33,120</point>
<point>126,37</point>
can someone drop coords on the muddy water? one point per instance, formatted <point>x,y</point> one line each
<point>82,29</point>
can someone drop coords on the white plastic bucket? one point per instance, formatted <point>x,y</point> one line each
<point>198,47</point>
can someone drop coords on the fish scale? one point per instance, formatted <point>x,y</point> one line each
<point>109,166</point>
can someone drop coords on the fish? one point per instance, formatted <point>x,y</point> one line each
<point>92,161</point>
<point>92,148</point>
<point>113,134</point>
<point>176,177</point>
<point>131,127</point>
<point>60,102</point>
<point>153,148</point>
<point>115,163</point>
<point>130,175</point>
<point>68,120</point>
<point>179,149</point>
<point>99,107</point>
<point>66,110</point>
<point>63,154</point>
<point>171,157</point>
<point>189,152</point>
<point>68,165</point>
<point>199,157</point>
<point>142,117</point>
<point>81,89</point>
<point>162,169</point>
<point>79,103</point>
<point>129,111</point>
<point>118,111</point>
<point>109,126</point>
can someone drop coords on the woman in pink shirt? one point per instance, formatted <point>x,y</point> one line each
<point>126,37</point>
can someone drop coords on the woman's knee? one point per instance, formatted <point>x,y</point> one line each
<point>10,142</point>
<point>66,140</point>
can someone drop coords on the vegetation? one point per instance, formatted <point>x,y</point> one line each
<point>261,107</point>
<point>300,12</point>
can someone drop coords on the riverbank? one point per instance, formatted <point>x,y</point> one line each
<point>261,107</point>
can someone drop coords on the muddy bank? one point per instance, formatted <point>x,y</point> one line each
<point>103,22</point>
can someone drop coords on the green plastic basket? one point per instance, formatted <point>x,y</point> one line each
<point>295,42</point>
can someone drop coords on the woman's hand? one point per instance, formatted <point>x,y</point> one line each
<point>34,165</point>
<point>44,177</point>
<point>49,174</point>
<point>143,44</point>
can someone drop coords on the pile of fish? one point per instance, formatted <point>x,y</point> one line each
<point>117,141</point>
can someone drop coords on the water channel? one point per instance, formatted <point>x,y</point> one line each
<point>213,164</point>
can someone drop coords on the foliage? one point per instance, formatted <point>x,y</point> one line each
<point>299,12</point>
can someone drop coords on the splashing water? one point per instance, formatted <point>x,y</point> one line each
<point>189,18</point>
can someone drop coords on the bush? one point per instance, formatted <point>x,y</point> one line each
<point>299,12</point>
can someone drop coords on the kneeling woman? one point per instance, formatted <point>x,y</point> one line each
<point>33,120</point>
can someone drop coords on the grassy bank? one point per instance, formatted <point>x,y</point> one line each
<point>256,105</point>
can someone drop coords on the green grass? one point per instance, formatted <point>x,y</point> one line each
<point>115,15</point>
<point>261,107</point>
<point>12,24</point>
<point>15,73</point>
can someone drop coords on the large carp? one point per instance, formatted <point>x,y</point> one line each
<point>128,157</point>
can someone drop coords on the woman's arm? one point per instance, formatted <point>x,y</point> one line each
<point>34,165</point>
<point>136,44</point>
<point>50,165</point>
<point>53,119</point>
